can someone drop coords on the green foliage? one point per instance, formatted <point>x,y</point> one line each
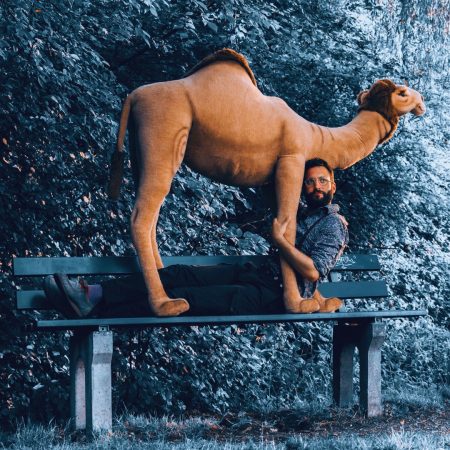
<point>66,67</point>
<point>248,368</point>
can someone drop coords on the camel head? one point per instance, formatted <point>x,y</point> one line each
<point>391,101</point>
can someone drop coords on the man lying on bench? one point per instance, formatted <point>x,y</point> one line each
<point>228,289</point>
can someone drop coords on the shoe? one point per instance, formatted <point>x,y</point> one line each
<point>76,293</point>
<point>57,298</point>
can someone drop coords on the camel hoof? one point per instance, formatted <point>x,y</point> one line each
<point>169,307</point>
<point>330,305</point>
<point>304,306</point>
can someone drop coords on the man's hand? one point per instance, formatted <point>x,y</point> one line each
<point>279,230</point>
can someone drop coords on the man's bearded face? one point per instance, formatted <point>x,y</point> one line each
<point>317,194</point>
<point>318,198</point>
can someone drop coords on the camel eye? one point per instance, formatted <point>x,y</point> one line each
<point>402,94</point>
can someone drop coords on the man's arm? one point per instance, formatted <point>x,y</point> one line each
<point>323,255</point>
<point>301,263</point>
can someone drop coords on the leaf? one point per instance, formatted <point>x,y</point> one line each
<point>213,26</point>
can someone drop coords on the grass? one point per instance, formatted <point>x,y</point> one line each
<point>417,397</point>
<point>414,418</point>
<point>37,437</point>
<point>389,441</point>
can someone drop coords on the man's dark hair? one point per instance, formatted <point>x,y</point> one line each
<point>316,162</point>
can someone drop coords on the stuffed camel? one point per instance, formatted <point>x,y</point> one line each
<point>219,123</point>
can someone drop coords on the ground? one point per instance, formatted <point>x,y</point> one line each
<point>402,426</point>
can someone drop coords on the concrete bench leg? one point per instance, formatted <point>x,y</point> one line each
<point>369,346</point>
<point>90,380</point>
<point>343,351</point>
<point>369,338</point>
<point>98,381</point>
<point>77,351</point>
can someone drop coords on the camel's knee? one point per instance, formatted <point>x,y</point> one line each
<point>144,215</point>
<point>152,192</point>
<point>141,218</point>
<point>134,215</point>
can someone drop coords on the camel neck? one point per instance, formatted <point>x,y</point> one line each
<point>344,146</point>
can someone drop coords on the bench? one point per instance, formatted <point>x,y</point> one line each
<point>91,344</point>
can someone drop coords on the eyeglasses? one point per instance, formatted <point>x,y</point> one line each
<point>321,180</point>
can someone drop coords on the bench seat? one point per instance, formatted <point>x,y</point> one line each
<point>91,344</point>
<point>144,322</point>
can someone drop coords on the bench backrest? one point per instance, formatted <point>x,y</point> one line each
<point>123,265</point>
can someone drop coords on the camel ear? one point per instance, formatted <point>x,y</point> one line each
<point>362,97</point>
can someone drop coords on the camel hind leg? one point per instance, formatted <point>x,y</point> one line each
<point>158,260</point>
<point>161,153</point>
<point>136,164</point>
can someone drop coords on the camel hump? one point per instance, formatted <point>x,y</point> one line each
<point>225,54</point>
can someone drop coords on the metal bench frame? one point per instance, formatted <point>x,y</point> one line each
<point>91,345</point>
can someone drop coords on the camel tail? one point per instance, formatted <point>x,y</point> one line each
<point>117,160</point>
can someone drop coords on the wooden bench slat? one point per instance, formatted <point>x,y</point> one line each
<point>35,299</point>
<point>129,264</point>
<point>32,300</point>
<point>75,265</point>
<point>357,262</point>
<point>222,320</point>
<point>353,289</point>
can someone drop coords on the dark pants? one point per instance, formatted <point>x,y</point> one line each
<point>210,290</point>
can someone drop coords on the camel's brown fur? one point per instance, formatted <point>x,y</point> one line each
<point>378,99</point>
<point>218,122</point>
<point>226,54</point>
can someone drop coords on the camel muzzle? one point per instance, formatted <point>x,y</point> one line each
<point>419,110</point>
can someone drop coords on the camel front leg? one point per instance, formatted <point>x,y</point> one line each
<point>327,305</point>
<point>288,185</point>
